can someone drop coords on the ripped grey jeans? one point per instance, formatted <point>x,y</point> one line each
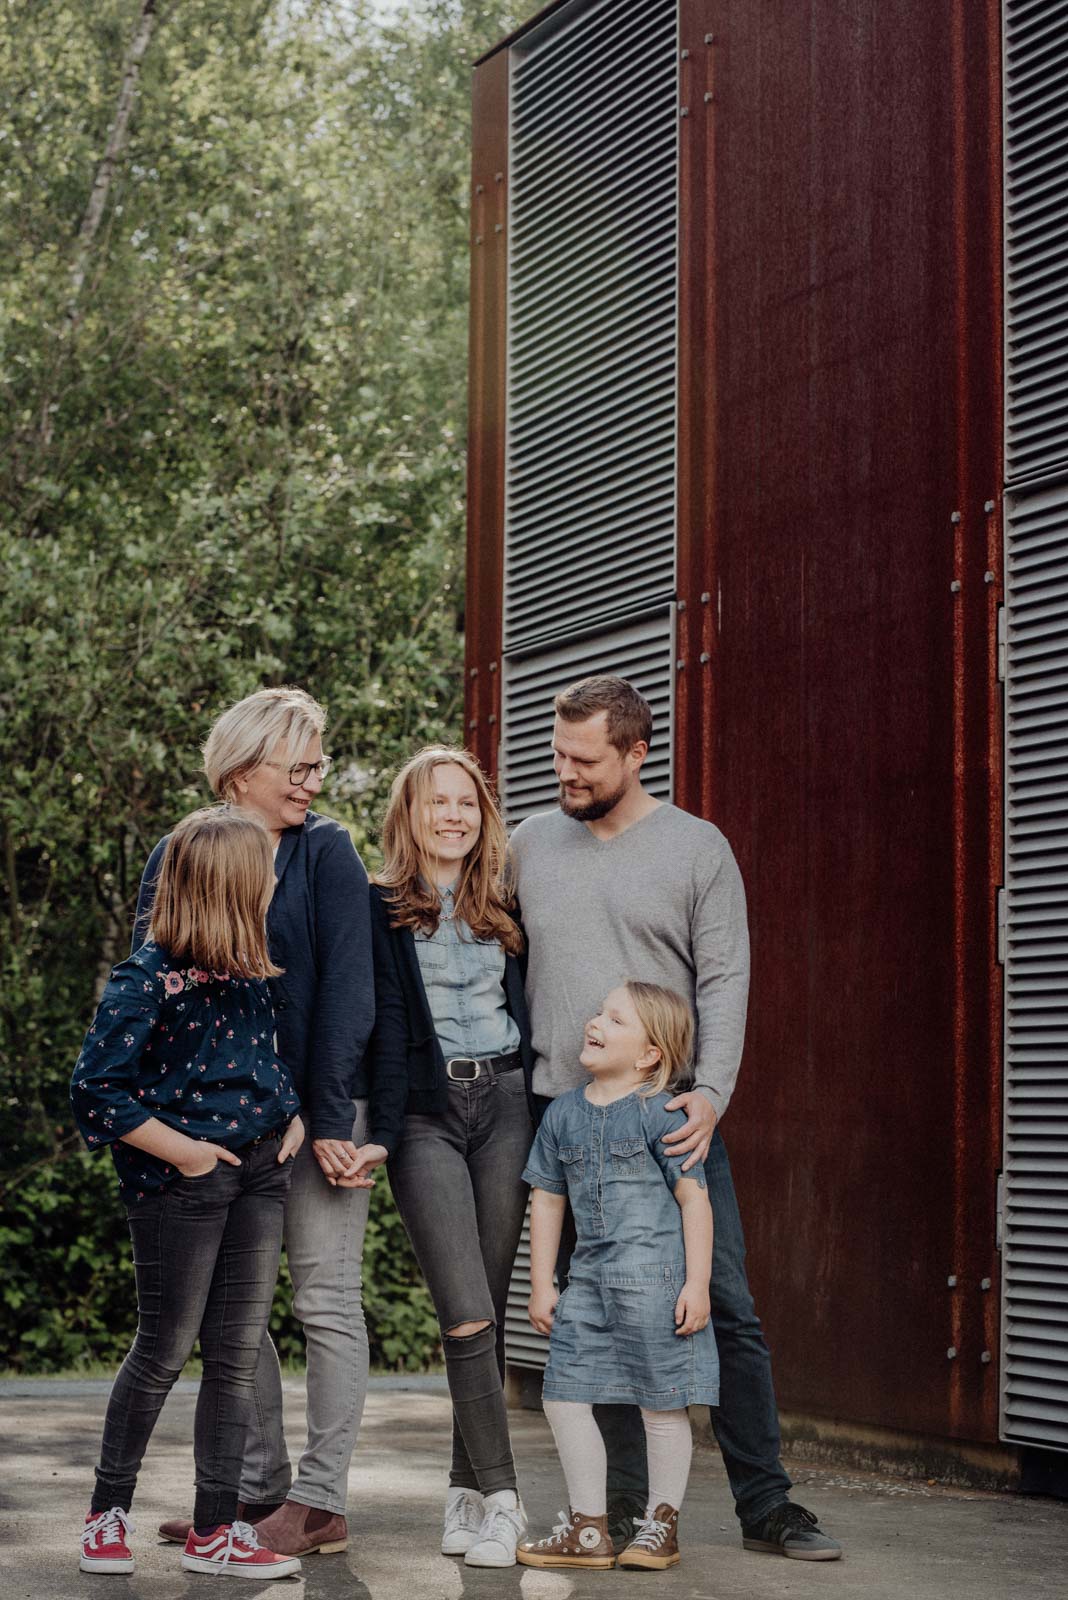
<point>324,1230</point>
<point>457,1182</point>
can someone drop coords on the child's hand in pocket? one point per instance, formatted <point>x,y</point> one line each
<point>205,1158</point>
<point>540,1309</point>
<point>292,1140</point>
<point>692,1309</point>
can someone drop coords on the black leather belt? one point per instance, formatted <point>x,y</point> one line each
<point>475,1067</point>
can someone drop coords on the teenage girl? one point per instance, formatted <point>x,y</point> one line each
<point>178,1074</point>
<point>451,1093</point>
<point>632,1326</point>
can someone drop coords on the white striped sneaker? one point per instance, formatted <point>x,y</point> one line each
<point>234,1550</point>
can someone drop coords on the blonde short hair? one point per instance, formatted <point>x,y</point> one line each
<point>668,1023</point>
<point>214,887</point>
<point>265,723</point>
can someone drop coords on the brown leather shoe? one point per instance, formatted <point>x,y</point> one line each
<point>576,1541</point>
<point>656,1542</point>
<point>296,1530</point>
<point>177,1529</point>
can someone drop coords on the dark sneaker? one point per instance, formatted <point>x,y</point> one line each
<point>790,1530</point>
<point>623,1513</point>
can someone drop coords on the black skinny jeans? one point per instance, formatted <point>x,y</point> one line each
<point>457,1181</point>
<point>206,1262</point>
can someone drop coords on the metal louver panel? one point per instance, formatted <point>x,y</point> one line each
<point>1035,1234</point>
<point>641,652</point>
<point>592,250</point>
<point>1036,236</point>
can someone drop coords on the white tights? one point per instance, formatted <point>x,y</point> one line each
<point>582,1455</point>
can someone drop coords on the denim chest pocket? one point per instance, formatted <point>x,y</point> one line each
<point>573,1157</point>
<point>432,954</point>
<point>627,1158</point>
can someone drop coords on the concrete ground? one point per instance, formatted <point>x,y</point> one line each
<point>903,1540</point>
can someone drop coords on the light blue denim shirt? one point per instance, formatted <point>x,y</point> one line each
<point>464,981</point>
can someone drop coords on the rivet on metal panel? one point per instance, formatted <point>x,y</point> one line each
<point>498,177</point>
<point>493,666</point>
<point>954,516</point>
<point>985,1358</point>
<point>491,718</point>
<point>988,577</point>
<point>951,1353</point>
<point>684,111</point>
<point>679,665</point>
<point>473,723</point>
<point>984,1283</point>
<point>498,227</point>
<point>705,658</point>
<point>480,188</point>
<point>474,672</point>
<point>710,38</point>
<point>955,586</point>
<point>478,238</point>
<point>705,598</point>
<point>709,96</point>
<point>685,54</point>
<point>988,506</point>
<point>951,1281</point>
<point>680,605</point>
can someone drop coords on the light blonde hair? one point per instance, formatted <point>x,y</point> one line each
<point>212,894</point>
<point>668,1024</point>
<point>269,722</point>
<point>482,896</point>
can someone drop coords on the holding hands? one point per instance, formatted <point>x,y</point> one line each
<point>344,1166</point>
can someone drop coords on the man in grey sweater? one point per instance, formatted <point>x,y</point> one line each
<point>617,884</point>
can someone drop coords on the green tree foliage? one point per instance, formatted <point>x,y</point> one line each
<point>232,412</point>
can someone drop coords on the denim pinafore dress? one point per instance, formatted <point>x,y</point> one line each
<point>613,1337</point>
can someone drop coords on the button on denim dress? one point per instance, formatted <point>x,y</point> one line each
<point>613,1337</point>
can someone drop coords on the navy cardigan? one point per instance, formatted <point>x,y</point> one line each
<point>318,929</point>
<point>408,1070</point>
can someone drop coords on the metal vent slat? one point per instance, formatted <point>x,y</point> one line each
<point>1035,1254</point>
<point>1036,243</point>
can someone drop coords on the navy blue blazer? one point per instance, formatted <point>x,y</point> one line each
<point>408,1066</point>
<point>318,929</point>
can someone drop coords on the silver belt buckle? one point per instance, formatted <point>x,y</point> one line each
<point>455,1061</point>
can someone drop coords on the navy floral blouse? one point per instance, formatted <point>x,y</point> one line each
<point>193,1048</point>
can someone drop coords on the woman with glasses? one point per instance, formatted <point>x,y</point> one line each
<point>265,756</point>
<point>451,1101</point>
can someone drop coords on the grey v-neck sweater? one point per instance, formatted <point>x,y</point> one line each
<point>662,902</point>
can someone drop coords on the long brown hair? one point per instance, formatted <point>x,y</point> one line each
<point>212,894</point>
<point>482,897</point>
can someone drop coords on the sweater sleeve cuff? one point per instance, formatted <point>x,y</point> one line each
<point>715,1097</point>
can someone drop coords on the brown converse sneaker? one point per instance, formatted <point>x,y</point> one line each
<point>656,1543</point>
<point>576,1541</point>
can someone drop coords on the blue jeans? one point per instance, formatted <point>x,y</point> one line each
<point>746,1421</point>
<point>206,1260</point>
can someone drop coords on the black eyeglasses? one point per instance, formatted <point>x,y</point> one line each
<point>303,770</point>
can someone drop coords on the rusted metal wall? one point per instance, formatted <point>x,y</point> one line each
<point>837,711</point>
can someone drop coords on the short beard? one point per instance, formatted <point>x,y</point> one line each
<point>593,810</point>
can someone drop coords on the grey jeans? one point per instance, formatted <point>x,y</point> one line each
<point>324,1230</point>
<point>457,1181</point>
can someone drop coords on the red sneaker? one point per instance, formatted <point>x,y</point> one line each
<point>104,1547</point>
<point>234,1550</point>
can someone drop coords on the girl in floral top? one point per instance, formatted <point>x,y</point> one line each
<point>178,1075</point>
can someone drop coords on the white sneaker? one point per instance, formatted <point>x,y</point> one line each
<point>464,1511</point>
<point>503,1526</point>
